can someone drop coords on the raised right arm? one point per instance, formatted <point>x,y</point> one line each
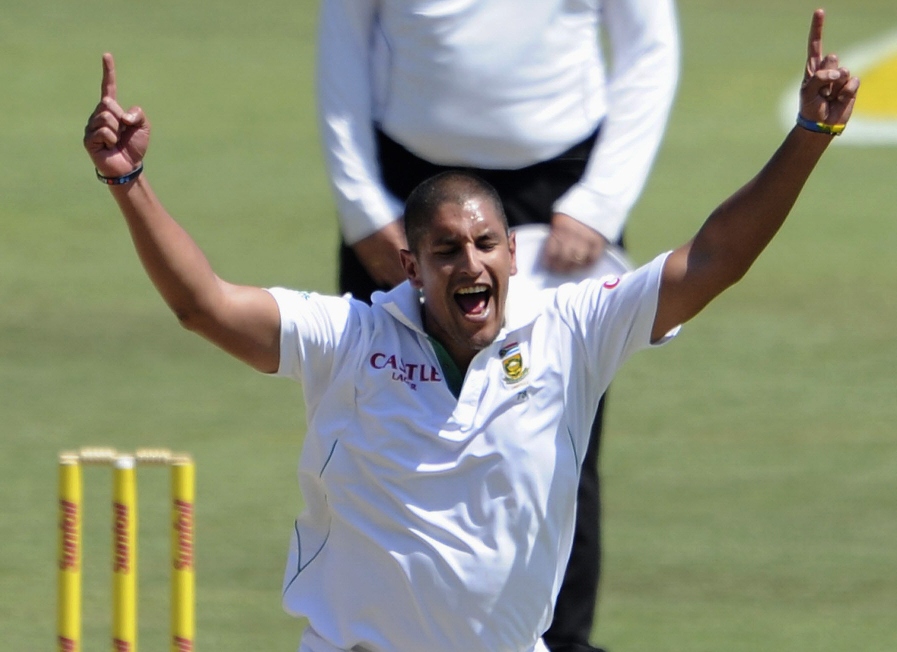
<point>243,321</point>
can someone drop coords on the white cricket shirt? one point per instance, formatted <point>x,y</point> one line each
<point>498,84</point>
<point>439,523</point>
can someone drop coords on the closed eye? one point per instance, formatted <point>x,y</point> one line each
<point>445,252</point>
<point>487,243</point>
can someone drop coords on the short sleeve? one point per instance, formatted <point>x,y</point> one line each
<point>614,316</point>
<point>312,327</point>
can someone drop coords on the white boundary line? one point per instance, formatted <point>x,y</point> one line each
<point>862,131</point>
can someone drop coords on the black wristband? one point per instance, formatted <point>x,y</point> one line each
<point>119,181</point>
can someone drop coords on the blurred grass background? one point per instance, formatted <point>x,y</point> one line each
<point>749,467</point>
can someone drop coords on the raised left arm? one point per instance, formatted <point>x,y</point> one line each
<point>740,228</point>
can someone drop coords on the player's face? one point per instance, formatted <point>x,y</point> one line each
<point>462,265</point>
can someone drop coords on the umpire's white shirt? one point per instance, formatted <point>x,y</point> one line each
<point>440,523</point>
<point>498,84</point>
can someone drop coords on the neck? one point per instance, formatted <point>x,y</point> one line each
<point>460,356</point>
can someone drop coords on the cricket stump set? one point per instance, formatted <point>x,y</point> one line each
<point>124,545</point>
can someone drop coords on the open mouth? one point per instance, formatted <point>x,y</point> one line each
<point>473,300</point>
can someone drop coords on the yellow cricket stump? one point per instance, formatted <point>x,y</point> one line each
<point>124,546</point>
<point>68,571</point>
<point>124,554</point>
<point>183,574</point>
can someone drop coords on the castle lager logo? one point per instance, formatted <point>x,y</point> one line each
<point>69,521</point>
<point>183,526</point>
<point>119,645</point>
<point>410,373</point>
<point>182,644</point>
<point>67,645</point>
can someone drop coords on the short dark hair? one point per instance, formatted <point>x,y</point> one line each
<point>450,187</point>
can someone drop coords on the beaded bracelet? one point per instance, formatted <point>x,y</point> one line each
<point>820,127</point>
<point>119,181</point>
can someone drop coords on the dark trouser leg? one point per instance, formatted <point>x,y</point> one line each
<point>575,608</point>
<point>353,277</point>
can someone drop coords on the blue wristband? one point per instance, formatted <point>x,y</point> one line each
<point>820,127</point>
<point>120,181</point>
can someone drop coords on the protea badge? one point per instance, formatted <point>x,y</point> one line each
<point>512,363</point>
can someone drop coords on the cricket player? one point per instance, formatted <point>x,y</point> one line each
<point>447,421</point>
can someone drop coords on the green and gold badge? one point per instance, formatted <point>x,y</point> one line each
<point>512,363</point>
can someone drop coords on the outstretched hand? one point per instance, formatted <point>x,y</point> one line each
<point>115,139</point>
<point>828,92</point>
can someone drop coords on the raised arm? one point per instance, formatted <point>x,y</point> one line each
<point>244,321</point>
<point>740,228</point>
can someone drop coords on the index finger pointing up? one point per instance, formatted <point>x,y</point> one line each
<point>107,88</point>
<point>814,42</point>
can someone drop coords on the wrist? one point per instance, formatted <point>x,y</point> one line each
<point>820,127</point>
<point>122,180</point>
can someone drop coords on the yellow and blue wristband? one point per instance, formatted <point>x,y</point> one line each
<point>820,127</point>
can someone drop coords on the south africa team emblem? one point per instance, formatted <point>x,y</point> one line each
<point>512,363</point>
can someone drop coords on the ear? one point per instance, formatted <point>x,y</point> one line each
<point>512,245</point>
<point>412,269</point>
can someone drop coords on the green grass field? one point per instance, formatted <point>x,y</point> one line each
<point>750,468</point>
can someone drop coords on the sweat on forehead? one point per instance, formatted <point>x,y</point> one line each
<point>452,187</point>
